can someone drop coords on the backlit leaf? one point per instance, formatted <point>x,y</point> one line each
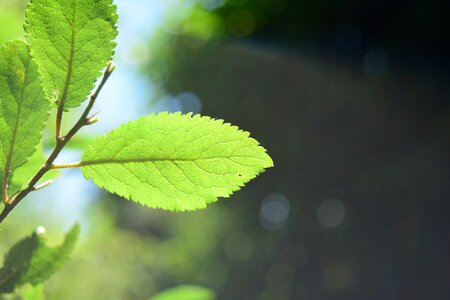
<point>32,261</point>
<point>26,292</point>
<point>173,161</point>
<point>24,109</point>
<point>71,41</point>
<point>185,292</point>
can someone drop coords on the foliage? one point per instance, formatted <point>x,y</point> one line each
<point>32,261</point>
<point>71,41</point>
<point>169,161</point>
<point>24,110</point>
<point>185,292</point>
<point>27,292</point>
<point>174,161</point>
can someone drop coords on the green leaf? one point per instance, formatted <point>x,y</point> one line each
<point>32,261</point>
<point>173,161</point>
<point>24,110</point>
<point>185,292</point>
<point>27,292</point>
<point>30,292</point>
<point>16,263</point>
<point>47,260</point>
<point>71,41</point>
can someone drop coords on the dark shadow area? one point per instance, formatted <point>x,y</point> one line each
<point>351,100</point>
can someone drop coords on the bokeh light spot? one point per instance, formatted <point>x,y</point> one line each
<point>331,213</point>
<point>40,230</point>
<point>274,211</point>
<point>184,102</point>
<point>189,102</point>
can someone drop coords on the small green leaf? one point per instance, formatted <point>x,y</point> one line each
<point>71,41</point>
<point>24,110</point>
<point>173,161</point>
<point>16,263</point>
<point>185,292</point>
<point>46,260</point>
<point>32,261</point>
<point>27,292</point>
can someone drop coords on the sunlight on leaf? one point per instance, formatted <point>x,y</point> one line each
<point>185,292</point>
<point>71,41</point>
<point>32,261</point>
<point>174,161</point>
<point>24,110</point>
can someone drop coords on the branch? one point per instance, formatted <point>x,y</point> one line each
<point>42,185</point>
<point>84,120</point>
<point>67,165</point>
<point>59,121</point>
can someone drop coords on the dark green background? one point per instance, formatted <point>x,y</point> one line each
<point>371,131</point>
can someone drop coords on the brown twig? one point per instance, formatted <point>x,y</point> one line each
<point>84,120</point>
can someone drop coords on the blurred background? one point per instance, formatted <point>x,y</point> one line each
<point>352,101</point>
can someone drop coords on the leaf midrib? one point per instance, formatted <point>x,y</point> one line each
<point>87,163</point>
<point>14,136</point>
<point>7,279</point>
<point>63,99</point>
